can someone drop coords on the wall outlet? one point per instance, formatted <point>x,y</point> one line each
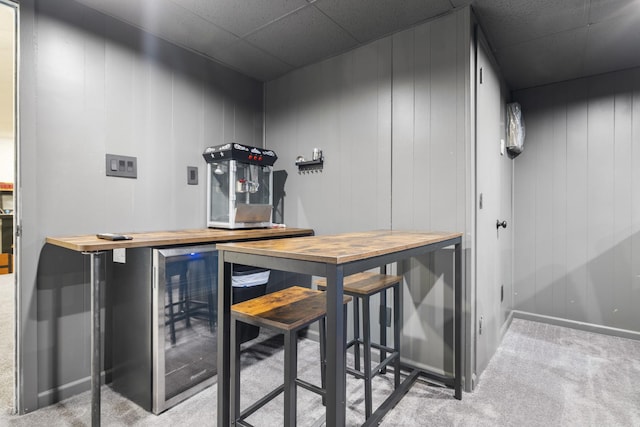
<point>120,255</point>
<point>192,175</point>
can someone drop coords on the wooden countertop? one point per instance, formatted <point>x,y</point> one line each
<point>90,243</point>
<point>340,248</point>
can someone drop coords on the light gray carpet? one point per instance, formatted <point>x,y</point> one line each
<point>7,309</point>
<point>541,375</point>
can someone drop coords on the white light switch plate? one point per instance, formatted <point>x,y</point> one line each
<point>502,147</point>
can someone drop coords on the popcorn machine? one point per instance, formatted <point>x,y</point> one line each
<point>239,186</point>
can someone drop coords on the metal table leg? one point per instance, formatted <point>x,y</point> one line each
<point>336,356</point>
<point>96,261</point>
<point>457,367</point>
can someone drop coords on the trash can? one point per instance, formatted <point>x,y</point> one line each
<point>248,282</point>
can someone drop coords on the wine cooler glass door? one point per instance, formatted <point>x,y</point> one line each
<point>185,336</point>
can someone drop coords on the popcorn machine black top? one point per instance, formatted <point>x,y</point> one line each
<point>239,186</point>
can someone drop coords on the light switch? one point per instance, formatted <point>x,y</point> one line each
<point>121,166</point>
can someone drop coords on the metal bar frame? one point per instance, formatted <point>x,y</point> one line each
<point>96,261</point>
<point>335,327</point>
<point>290,374</point>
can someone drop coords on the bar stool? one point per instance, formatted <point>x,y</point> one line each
<point>195,295</point>
<point>361,287</point>
<point>285,312</point>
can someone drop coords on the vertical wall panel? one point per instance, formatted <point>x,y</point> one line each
<point>558,206</point>
<point>622,311</point>
<point>350,142</point>
<point>596,220</point>
<point>422,155</point>
<point>577,211</point>
<point>600,208</point>
<point>370,143</point>
<point>444,45</point>
<point>342,106</point>
<point>543,209</point>
<point>403,130</point>
<point>524,220</point>
<point>384,129</point>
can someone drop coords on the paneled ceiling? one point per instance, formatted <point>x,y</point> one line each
<point>535,41</point>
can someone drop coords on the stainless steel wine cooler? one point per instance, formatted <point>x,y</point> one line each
<point>165,325</point>
<point>185,335</point>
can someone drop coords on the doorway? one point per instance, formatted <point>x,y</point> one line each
<point>8,173</point>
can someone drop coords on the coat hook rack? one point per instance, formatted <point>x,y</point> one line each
<point>311,166</point>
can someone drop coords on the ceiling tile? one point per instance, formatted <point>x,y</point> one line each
<point>188,29</point>
<point>252,61</point>
<point>367,20</point>
<point>613,45</point>
<point>544,60</point>
<point>168,21</point>
<point>133,12</point>
<point>510,22</point>
<point>602,10</point>
<point>303,37</point>
<point>241,17</point>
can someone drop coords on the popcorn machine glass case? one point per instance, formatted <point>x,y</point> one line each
<point>239,186</point>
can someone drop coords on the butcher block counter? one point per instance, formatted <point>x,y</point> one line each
<point>91,243</point>
<point>96,248</point>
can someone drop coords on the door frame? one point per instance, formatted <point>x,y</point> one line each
<point>17,211</point>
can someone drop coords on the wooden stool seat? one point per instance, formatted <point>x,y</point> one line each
<point>286,312</point>
<point>362,286</point>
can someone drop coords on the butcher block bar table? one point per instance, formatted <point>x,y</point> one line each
<point>333,257</point>
<point>95,248</point>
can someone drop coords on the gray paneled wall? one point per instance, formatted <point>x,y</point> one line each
<point>577,201</point>
<point>392,120</point>
<point>342,106</point>
<point>92,85</point>
<point>430,172</point>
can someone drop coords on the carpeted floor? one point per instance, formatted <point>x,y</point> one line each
<point>7,310</point>
<point>541,375</point>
